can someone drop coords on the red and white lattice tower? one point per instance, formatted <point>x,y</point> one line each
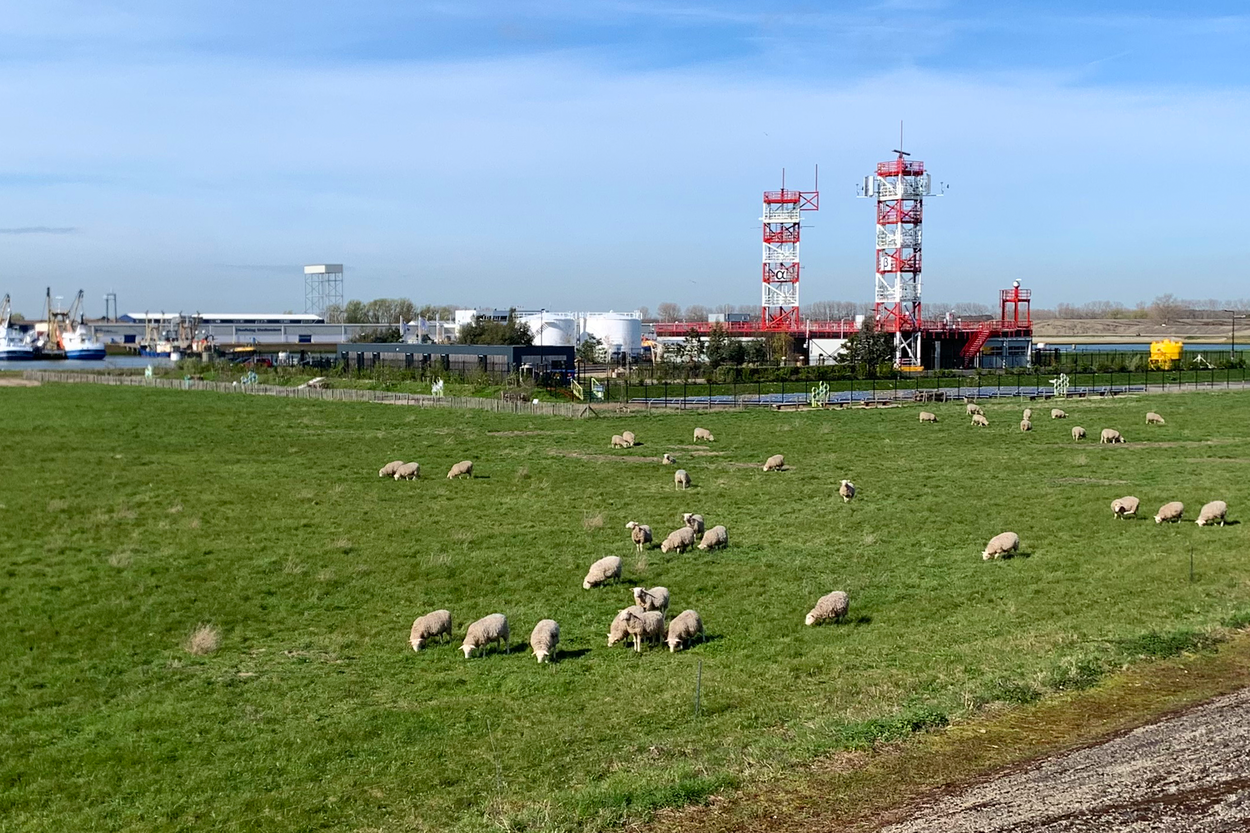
<point>782,209</point>
<point>900,187</point>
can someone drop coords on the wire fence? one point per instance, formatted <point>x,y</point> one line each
<point>498,405</point>
<point>1039,383</point>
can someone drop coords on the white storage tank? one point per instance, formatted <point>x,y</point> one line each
<point>619,332</point>
<point>557,329</point>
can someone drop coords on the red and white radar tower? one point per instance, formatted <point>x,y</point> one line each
<point>782,210</point>
<point>900,187</point>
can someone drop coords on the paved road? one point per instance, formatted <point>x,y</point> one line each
<point>1187,773</point>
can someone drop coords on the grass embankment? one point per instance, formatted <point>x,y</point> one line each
<point>132,517</point>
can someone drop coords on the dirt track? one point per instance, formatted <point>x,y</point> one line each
<point>1187,773</point>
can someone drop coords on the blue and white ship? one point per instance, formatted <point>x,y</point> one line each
<point>78,343</point>
<point>13,346</point>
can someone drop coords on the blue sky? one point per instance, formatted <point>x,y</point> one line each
<point>194,155</point>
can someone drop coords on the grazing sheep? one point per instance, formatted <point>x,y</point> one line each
<point>408,471</point>
<point>1212,512</point>
<point>695,522</point>
<point>1154,419</point>
<point>1001,546</point>
<point>629,437</point>
<point>972,409</point>
<point>1170,512</point>
<point>1025,425</point>
<point>1078,433</point>
<point>492,628</point>
<point>847,490</point>
<point>1028,413</point>
<point>617,630</point>
<point>681,479</point>
<point>1058,413</point>
<point>683,629</point>
<point>679,539</point>
<point>389,469</point>
<point>668,459</point>
<point>640,533</point>
<point>829,606</point>
<point>601,571</point>
<point>544,639</point>
<point>980,420</point>
<point>462,469</point>
<point>925,416</point>
<point>1110,435</point>
<point>1122,507</point>
<point>619,442</point>
<point>715,537</point>
<point>429,626</point>
<point>654,599</point>
<point>703,434</point>
<point>775,463</point>
<point>645,627</point>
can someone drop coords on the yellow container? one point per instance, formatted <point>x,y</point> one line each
<point>1166,354</point>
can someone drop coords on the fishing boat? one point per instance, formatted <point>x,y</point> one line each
<point>78,343</point>
<point>68,333</point>
<point>13,346</point>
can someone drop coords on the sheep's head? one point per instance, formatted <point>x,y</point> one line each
<point>541,656</point>
<point>810,620</point>
<point>468,649</point>
<point>631,525</point>
<point>416,643</point>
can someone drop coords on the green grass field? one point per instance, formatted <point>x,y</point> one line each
<point>128,517</point>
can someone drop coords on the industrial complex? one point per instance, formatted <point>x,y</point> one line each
<point>898,188</point>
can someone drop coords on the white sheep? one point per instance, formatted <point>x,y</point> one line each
<point>1058,413</point>
<point>847,490</point>
<point>1154,419</point>
<point>1170,512</point>
<point>617,630</point>
<point>1025,425</point>
<point>1078,433</point>
<point>1110,435</point>
<point>829,606</point>
<point>544,639</point>
<point>926,416</point>
<point>462,469</point>
<point>1212,512</point>
<point>681,479</point>
<point>655,598</point>
<point>972,409</point>
<point>492,628</point>
<point>1001,546</point>
<point>683,629</point>
<point>629,438</point>
<point>980,421</point>
<point>679,539</point>
<point>693,521</point>
<point>715,537</point>
<point>645,627</point>
<point>1123,507</point>
<point>775,463</point>
<point>619,442</point>
<point>425,628</point>
<point>389,469</point>
<point>668,459</point>
<point>408,471</point>
<point>1028,413</point>
<point>703,434</point>
<point>639,533</point>
<point>602,571</point>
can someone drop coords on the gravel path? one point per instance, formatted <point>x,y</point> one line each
<point>1187,773</point>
